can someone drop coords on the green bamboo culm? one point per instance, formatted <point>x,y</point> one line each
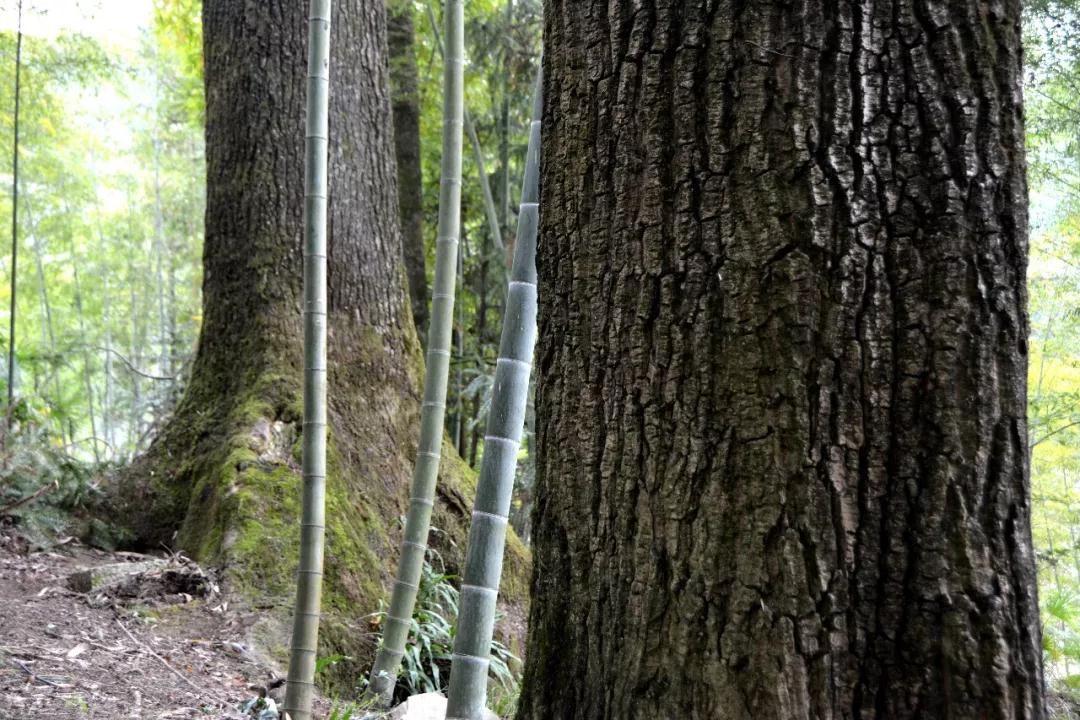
<point>478,152</point>
<point>305,637</point>
<point>425,473</point>
<point>487,535</point>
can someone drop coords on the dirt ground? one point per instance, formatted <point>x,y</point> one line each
<point>67,655</point>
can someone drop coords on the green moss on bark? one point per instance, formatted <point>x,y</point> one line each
<point>231,489</point>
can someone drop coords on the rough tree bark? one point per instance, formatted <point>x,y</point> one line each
<point>222,480</point>
<point>781,409</point>
<point>405,91</point>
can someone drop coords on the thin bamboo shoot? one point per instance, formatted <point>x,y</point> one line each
<point>299,692</point>
<point>433,411</point>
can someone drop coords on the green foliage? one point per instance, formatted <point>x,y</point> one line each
<point>501,54</point>
<point>342,712</point>
<point>41,483</point>
<point>427,656</point>
<point>111,195</point>
<point>113,186</point>
<point>178,36</point>
<point>324,663</point>
<point>428,652</point>
<point>1053,56</point>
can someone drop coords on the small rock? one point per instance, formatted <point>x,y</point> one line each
<point>95,578</point>
<point>261,708</point>
<point>429,706</point>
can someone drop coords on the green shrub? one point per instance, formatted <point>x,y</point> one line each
<point>426,665</point>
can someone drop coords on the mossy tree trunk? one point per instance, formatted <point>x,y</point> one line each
<point>221,481</point>
<point>781,427</point>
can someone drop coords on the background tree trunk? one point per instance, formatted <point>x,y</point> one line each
<point>781,410</point>
<point>404,84</point>
<point>222,480</point>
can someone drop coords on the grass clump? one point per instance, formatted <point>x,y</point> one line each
<point>426,665</point>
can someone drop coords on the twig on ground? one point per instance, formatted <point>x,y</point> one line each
<point>35,676</point>
<point>21,651</point>
<point>203,692</point>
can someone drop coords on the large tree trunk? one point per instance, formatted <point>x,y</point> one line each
<point>781,409</point>
<point>224,474</point>
<point>405,90</point>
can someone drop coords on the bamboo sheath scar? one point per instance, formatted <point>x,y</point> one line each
<point>425,474</point>
<point>305,637</point>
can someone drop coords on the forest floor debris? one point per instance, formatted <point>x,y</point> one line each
<point>1062,706</point>
<point>153,638</point>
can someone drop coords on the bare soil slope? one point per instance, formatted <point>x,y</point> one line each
<point>70,655</point>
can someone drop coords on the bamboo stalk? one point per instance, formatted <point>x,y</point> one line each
<point>48,334</point>
<point>108,402</point>
<point>164,358</point>
<point>504,120</point>
<point>433,411</point>
<point>137,335</point>
<point>490,213</point>
<point>491,510</point>
<point>459,375</point>
<point>87,365</point>
<point>485,188</point>
<point>135,421</point>
<point>14,213</point>
<point>299,691</point>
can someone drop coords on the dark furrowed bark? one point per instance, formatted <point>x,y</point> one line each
<point>255,116</point>
<point>781,400</point>
<point>406,107</point>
